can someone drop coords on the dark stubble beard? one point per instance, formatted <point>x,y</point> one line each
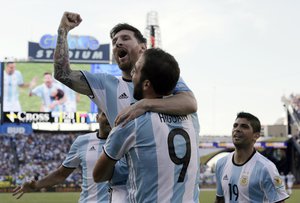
<point>138,91</point>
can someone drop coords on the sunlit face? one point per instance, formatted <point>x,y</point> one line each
<point>48,80</point>
<point>10,68</point>
<point>104,124</point>
<point>126,49</point>
<point>136,79</point>
<point>242,134</point>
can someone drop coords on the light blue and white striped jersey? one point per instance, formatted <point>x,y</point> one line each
<point>11,88</point>
<point>162,154</point>
<point>256,181</point>
<point>112,94</point>
<point>85,151</point>
<point>45,93</point>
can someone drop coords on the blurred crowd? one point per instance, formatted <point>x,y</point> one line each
<point>34,156</point>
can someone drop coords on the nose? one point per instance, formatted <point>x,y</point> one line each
<point>119,43</point>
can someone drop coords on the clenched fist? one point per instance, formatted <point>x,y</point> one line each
<point>69,21</point>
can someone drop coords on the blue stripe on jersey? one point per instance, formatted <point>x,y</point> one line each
<point>255,194</point>
<point>83,165</point>
<point>219,175</point>
<point>142,150</point>
<point>181,86</point>
<point>271,190</point>
<point>234,180</point>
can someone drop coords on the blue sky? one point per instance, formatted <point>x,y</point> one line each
<point>236,55</point>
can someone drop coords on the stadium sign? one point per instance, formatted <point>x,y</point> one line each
<point>49,117</point>
<point>82,49</point>
<point>9,128</point>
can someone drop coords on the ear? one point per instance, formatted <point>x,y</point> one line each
<point>144,46</point>
<point>146,85</point>
<point>256,135</point>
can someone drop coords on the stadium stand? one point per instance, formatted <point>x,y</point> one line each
<point>34,156</point>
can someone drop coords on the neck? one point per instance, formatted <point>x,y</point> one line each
<point>100,135</point>
<point>242,155</point>
<point>126,76</point>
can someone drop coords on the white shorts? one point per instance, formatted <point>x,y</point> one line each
<point>119,194</point>
<point>12,106</point>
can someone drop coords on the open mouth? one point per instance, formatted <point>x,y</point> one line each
<point>122,53</point>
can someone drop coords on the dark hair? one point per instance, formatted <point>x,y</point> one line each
<point>254,121</point>
<point>161,69</point>
<point>9,62</point>
<point>124,26</point>
<point>47,73</point>
<point>60,94</point>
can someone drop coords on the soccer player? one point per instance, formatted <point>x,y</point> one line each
<point>111,94</point>
<point>45,92</point>
<point>84,152</point>
<point>13,79</point>
<point>290,178</point>
<point>161,150</point>
<point>245,175</point>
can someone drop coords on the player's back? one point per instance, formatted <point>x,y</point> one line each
<point>164,159</point>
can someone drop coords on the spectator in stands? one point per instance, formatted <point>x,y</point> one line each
<point>44,91</point>
<point>13,79</point>
<point>245,175</point>
<point>84,152</point>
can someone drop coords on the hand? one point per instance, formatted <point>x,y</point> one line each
<point>131,112</point>
<point>33,82</point>
<point>69,21</point>
<point>26,187</point>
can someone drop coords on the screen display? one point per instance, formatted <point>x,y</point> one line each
<point>31,94</point>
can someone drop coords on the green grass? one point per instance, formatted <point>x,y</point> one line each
<point>71,197</point>
<point>31,70</point>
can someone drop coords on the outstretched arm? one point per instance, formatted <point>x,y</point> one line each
<point>56,177</point>
<point>181,103</point>
<point>74,79</point>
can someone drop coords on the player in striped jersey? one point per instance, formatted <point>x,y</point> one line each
<point>161,150</point>
<point>13,79</point>
<point>84,152</point>
<point>113,95</point>
<point>245,175</point>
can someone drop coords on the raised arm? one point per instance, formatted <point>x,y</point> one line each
<point>54,178</point>
<point>74,79</point>
<point>181,103</point>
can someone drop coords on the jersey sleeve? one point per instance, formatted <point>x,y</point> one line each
<point>273,185</point>
<point>38,91</point>
<point>103,86</point>
<point>181,86</point>
<point>73,160</point>
<point>20,78</point>
<point>120,174</point>
<point>120,140</point>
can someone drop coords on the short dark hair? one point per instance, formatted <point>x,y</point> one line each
<point>47,73</point>
<point>9,62</point>
<point>161,69</point>
<point>254,121</point>
<point>124,26</point>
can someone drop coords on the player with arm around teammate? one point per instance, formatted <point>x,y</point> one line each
<point>245,175</point>
<point>161,150</point>
<point>113,95</point>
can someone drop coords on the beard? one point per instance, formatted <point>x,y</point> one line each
<point>138,91</point>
